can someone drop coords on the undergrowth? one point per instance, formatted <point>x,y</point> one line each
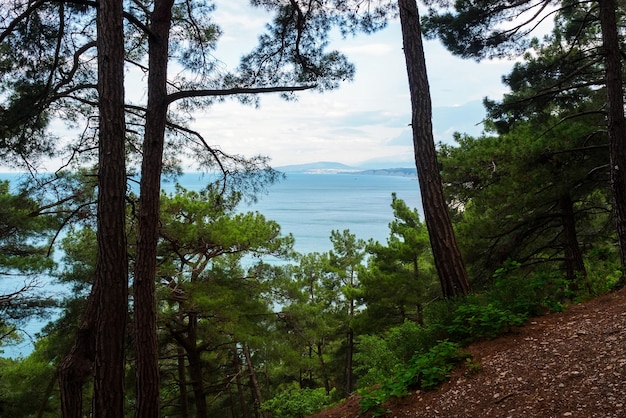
<point>424,371</point>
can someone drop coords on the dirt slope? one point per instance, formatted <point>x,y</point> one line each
<point>570,364</point>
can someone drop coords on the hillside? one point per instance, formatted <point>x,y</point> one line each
<point>570,364</point>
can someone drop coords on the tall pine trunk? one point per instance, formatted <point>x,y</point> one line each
<point>448,260</point>
<point>616,121</point>
<point>111,275</point>
<point>145,329</point>
<point>99,345</point>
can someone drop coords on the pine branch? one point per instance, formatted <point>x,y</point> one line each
<point>185,94</point>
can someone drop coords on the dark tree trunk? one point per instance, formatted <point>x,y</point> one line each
<point>111,274</point>
<point>197,383</point>
<point>255,382</point>
<point>77,367</point>
<point>349,362</point>
<point>448,260</point>
<point>147,367</point>
<point>46,397</point>
<point>195,367</point>
<point>320,356</point>
<point>182,384</point>
<point>616,122</point>
<point>574,264</point>
<point>241,393</point>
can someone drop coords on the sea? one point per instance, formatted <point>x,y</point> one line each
<point>309,206</point>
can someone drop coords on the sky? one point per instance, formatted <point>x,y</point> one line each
<point>363,123</point>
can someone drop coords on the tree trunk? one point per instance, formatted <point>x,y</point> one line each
<point>111,274</point>
<point>77,367</point>
<point>255,383</point>
<point>448,260</point>
<point>195,367</point>
<point>147,367</point>
<point>616,122</point>
<point>241,393</point>
<point>182,384</point>
<point>197,383</point>
<point>320,355</point>
<point>46,397</point>
<point>349,362</point>
<point>574,263</point>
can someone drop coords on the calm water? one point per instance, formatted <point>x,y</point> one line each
<point>310,206</point>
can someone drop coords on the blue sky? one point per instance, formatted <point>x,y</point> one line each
<point>364,122</point>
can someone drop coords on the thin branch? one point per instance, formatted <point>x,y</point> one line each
<point>185,94</point>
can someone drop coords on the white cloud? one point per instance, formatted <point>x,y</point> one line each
<point>362,120</point>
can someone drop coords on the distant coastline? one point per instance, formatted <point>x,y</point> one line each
<point>327,167</point>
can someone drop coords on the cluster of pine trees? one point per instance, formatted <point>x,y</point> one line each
<point>176,308</point>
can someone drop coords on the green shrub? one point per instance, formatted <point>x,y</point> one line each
<point>604,272</point>
<point>409,339</point>
<point>428,370</point>
<point>373,360</point>
<point>295,402</point>
<point>377,356</point>
<point>425,371</point>
<point>533,294</point>
<point>475,322</point>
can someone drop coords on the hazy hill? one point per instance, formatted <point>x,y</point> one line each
<point>317,168</point>
<point>330,167</point>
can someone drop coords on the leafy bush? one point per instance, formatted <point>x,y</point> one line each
<point>604,272</point>
<point>409,339</point>
<point>373,360</point>
<point>378,356</point>
<point>474,322</point>
<point>428,370</point>
<point>295,402</point>
<point>425,371</point>
<point>534,294</point>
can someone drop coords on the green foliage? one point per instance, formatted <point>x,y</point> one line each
<point>424,371</point>
<point>26,387</point>
<point>603,271</point>
<point>25,235</point>
<point>400,276</point>
<point>428,370</point>
<point>373,360</point>
<point>408,339</point>
<point>378,356</point>
<point>531,294</point>
<point>475,322</point>
<point>295,402</point>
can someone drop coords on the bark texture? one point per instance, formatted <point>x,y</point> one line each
<point>111,277</point>
<point>145,329</point>
<point>574,263</point>
<point>616,122</point>
<point>76,368</point>
<point>448,260</point>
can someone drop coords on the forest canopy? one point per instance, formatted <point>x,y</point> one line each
<point>187,298</point>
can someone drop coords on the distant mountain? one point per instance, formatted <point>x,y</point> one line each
<point>321,167</point>
<point>329,167</point>
<point>400,171</point>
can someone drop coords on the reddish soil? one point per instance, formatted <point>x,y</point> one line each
<point>569,364</point>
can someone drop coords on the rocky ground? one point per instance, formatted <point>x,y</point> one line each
<point>570,364</point>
